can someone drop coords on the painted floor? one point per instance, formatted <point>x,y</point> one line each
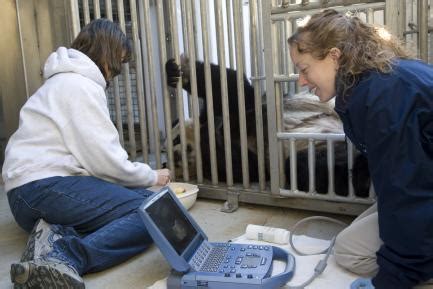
<point>150,266</point>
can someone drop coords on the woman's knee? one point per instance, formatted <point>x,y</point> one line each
<point>348,256</point>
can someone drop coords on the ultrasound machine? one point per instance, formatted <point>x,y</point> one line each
<point>198,263</point>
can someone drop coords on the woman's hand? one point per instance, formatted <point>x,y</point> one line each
<point>163,177</point>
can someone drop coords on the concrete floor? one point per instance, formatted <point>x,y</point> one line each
<point>145,269</point>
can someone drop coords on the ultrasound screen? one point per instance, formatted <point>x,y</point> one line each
<point>172,223</point>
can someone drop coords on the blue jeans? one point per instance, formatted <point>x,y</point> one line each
<point>102,219</point>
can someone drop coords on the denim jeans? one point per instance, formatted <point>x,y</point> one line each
<point>102,219</point>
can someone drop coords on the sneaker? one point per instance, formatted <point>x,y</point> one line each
<point>45,273</point>
<point>41,241</point>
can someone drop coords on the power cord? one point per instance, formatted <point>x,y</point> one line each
<point>321,265</point>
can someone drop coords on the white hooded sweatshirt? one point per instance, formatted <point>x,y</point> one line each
<point>65,129</point>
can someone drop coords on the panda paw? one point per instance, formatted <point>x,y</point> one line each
<point>173,72</point>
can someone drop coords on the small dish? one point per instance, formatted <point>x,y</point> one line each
<point>189,194</point>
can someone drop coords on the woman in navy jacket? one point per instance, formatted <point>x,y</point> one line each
<point>385,100</point>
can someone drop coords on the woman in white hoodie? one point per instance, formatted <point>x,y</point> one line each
<point>66,174</point>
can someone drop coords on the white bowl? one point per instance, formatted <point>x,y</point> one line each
<point>188,197</point>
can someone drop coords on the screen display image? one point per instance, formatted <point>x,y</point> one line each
<point>171,221</point>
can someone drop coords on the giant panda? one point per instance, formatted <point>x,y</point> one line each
<point>301,113</point>
<point>173,72</point>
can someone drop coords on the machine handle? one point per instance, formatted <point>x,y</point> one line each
<point>284,277</point>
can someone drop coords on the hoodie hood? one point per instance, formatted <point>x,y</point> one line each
<point>71,60</point>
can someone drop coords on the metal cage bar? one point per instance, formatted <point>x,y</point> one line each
<point>132,147</point>
<point>257,94</point>
<point>140,79</point>
<point>230,31</point>
<point>165,94</point>
<point>194,96</point>
<point>116,91</point>
<point>86,11</point>
<point>224,93</point>
<point>293,165</point>
<point>270,99</point>
<point>151,84</point>
<point>204,10</point>
<point>96,9</point>
<point>423,29</point>
<point>311,166</point>
<point>75,18</point>
<point>179,96</point>
<point>331,164</point>
<point>238,31</point>
<point>146,79</point>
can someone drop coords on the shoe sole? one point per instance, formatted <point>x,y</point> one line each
<point>28,275</point>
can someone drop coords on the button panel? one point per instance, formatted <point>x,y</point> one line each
<point>235,261</point>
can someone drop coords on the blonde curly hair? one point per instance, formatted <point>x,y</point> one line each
<point>362,45</point>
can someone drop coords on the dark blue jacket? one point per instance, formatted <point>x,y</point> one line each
<point>389,117</point>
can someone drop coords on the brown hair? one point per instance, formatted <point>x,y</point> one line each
<point>361,44</point>
<point>104,42</point>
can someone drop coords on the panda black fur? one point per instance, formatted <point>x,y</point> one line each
<point>301,114</point>
<point>173,73</point>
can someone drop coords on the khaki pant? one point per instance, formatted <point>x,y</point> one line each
<point>356,246</point>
